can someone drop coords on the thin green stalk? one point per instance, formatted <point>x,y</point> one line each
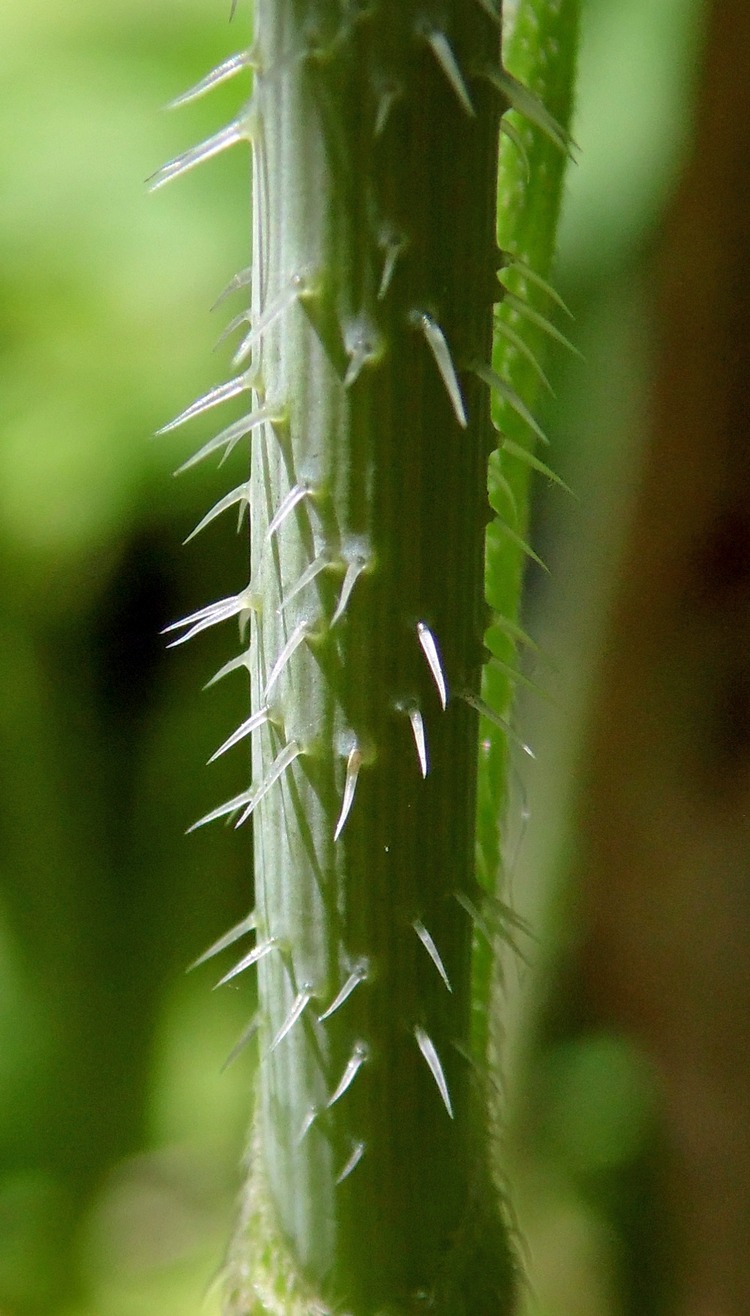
<point>367,352</point>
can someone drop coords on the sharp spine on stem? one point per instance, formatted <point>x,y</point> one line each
<point>355,1062</point>
<point>513,262</point>
<point>212,615</point>
<point>240,929</point>
<point>353,572</point>
<point>229,438</point>
<point>259,719</point>
<point>234,665</point>
<point>239,495</point>
<point>358,1151</point>
<point>283,760</point>
<point>244,1039</point>
<point>484,709</point>
<point>445,56</point>
<point>436,341</point>
<point>307,1124</point>
<point>236,131</point>
<point>432,950</point>
<point>319,563</point>
<point>430,651</point>
<point>296,494</point>
<point>293,292</point>
<point>510,131</point>
<point>299,1005</point>
<point>353,765</point>
<point>227,69</point>
<point>302,631</point>
<point>231,388</point>
<point>357,975</point>
<point>427,1047</point>
<point>522,100</point>
<point>496,382</point>
<point>242,279</point>
<point>248,961</point>
<point>420,740</point>
<point>536,318</point>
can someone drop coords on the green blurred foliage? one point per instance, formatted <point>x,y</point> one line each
<point>119,1136</point>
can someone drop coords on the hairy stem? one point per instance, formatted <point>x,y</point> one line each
<point>375,176</point>
<point>375,127</point>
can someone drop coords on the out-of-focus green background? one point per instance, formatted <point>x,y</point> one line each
<point>120,1136</point>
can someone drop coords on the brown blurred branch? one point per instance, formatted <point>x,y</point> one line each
<point>666,814</point>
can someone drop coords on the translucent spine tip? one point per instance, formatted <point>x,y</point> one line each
<point>298,636</point>
<point>437,344</point>
<point>432,950</point>
<point>430,651</point>
<point>320,563</point>
<point>280,764</point>
<point>212,615</point>
<point>239,496</point>
<point>251,724</point>
<point>299,1005</point>
<point>231,388</point>
<point>234,132</point>
<point>247,961</point>
<point>222,73</point>
<point>420,740</point>
<point>358,1151</point>
<point>286,298</point>
<point>242,279</point>
<point>239,930</point>
<point>427,1047</point>
<point>353,765</point>
<point>509,395</point>
<point>230,437</point>
<point>351,576</point>
<point>358,975</point>
<point>354,1064</point>
<point>287,505</point>
<point>445,56</point>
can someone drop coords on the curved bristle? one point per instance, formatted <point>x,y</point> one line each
<point>280,764</point>
<point>227,69</point>
<point>353,765</point>
<point>509,395</point>
<point>182,164</point>
<point>229,438</point>
<point>242,279</point>
<point>427,1047</point>
<point>445,56</point>
<point>251,724</point>
<point>301,1001</point>
<point>358,1152</point>
<point>430,651</point>
<point>353,572</point>
<point>358,975</point>
<point>541,321</point>
<point>286,506</point>
<point>300,633</point>
<point>438,346</point>
<point>239,495</point>
<point>354,1064</point>
<point>231,388</point>
<point>432,950</point>
<point>247,961</point>
<point>240,929</point>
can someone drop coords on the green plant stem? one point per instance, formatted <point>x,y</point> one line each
<point>375,192</point>
<point>375,129</point>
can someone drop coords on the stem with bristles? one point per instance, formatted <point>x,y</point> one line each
<point>374,127</point>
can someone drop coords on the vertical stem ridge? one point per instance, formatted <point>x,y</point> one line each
<point>377,1200</point>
